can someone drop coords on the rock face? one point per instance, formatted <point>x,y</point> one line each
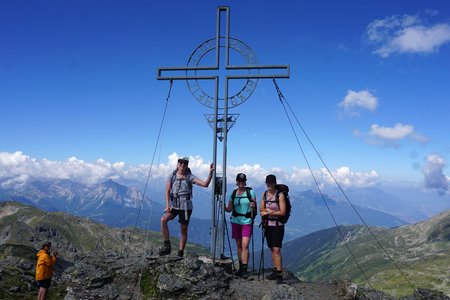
<point>97,262</point>
<point>113,275</point>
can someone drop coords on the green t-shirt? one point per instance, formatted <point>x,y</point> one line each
<point>242,206</point>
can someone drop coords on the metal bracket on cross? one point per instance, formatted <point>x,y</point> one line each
<point>221,123</point>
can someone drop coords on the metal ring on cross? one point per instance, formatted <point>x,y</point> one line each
<point>238,93</point>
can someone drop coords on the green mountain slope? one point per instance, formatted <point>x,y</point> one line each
<point>23,229</point>
<point>422,252</point>
<point>28,226</point>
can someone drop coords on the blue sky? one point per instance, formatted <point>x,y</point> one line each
<point>369,83</point>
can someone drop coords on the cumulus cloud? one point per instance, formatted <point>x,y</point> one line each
<point>344,176</point>
<point>433,171</point>
<point>355,101</point>
<point>398,132</point>
<point>390,136</point>
<point>18,167</point>
<point>406,34</point>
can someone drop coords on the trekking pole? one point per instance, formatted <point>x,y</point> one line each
<point>216,225</point>
<point>253,251</point>
<point>262,248</point>
<point>229,245</point>
<point>261,258</point>
<point>253,244</point>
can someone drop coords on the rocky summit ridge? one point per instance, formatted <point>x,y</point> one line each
<point>98,262</point>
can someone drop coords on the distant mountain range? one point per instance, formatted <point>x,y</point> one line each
<point>117,205</point>
<point>310,213</point>
<point>420,250</point>
<point>109,202</point>
<point>404,207</point>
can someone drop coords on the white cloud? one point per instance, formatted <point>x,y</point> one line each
<point>434,178</point>
<point>348,178</point>
<point>354,101</point>
<point>18,164</point>
<point>398,132</point>
<point>344,176</point>
<point>406,34</point>
<point>17,167</point>
<point>390,136</point>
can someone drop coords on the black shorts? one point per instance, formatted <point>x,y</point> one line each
<point>183,215</point>
<point>274,236</point>
<point>44,283</point>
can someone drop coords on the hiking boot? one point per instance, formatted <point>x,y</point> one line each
<point>166,249</point>
<point>275,275</point>
<point>239,271</point>
<point>180,253</point>
<point>280,279</point>
<point>243,271</point>
<point>244,274</point>
<point>272,276</point>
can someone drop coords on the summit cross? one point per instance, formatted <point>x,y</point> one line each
<point>193,73</point>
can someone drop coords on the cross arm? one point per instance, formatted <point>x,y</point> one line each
<point>179,70</point>
<point>283,71</point>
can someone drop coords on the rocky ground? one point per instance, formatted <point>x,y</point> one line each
<point>112,275</point>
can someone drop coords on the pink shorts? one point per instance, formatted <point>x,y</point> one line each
<point>238,231</point>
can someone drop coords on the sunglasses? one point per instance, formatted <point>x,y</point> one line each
<point>183,163</point>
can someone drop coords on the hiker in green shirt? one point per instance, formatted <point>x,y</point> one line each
<point>242,204</point>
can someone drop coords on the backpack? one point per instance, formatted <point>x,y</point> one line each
<point>282,188</point>
<point>174,177</point>
<point>252,213</point>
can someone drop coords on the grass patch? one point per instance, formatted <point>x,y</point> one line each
<point>148,286</point>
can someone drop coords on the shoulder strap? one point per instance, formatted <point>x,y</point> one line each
<point>174,176</point>
<point>249,195</point>
<point>277,196</point>
<point>188,172</point>
<point>233,195</point>
<point>253,210</point>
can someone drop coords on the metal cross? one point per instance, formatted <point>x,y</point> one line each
<point>201,73</point>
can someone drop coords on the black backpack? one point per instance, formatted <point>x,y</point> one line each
<point>252,213</point>
<point>282,188</point>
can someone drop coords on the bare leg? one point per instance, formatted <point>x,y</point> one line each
<point>164,228</point>
<point>239,249</point>
<point>276,258</point>
<point>184,235</point>
<point>42,293</point>
<point>244,251</point>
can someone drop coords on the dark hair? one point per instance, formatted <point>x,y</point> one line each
<point>47,244</point>
<point>271,179</point>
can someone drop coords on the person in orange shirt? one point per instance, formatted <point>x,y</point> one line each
<point>44,269</point>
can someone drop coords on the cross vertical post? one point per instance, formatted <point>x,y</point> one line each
<point>192,74</point>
